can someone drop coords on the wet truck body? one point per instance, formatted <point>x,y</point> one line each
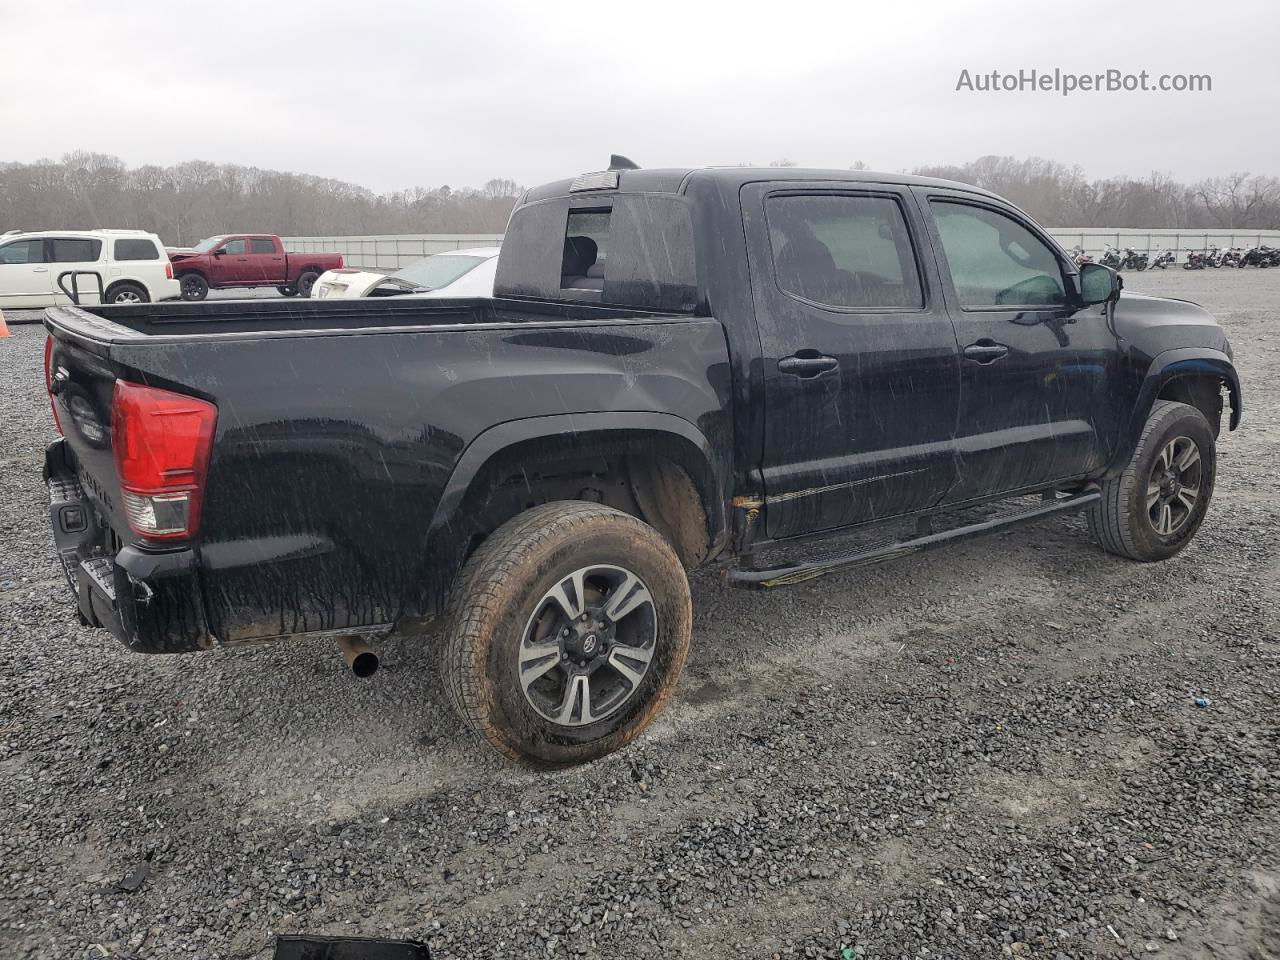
<point>785,372</point>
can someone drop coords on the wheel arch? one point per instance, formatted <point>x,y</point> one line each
<point>656,466</point>
<point>1191,375</point>
<point>127,282</point>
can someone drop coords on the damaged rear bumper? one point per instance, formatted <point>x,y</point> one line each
<point>149,600</point>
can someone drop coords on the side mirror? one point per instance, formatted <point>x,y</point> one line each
<point>220,252</point>
<point>1098,284</point>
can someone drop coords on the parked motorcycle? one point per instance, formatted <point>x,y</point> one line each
<point>1110,257</point>
<point>1201,259</point>
<point>1079,256</point>
<point>1131,259</point>
<point>1163,260</point>
<point>1232,257</point>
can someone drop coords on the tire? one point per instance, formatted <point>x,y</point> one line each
<point>128,293</point>
<point>501,611</point>
<point>305,282</point>
<point>288,290</point>
<point>194,286</point>
<point>1128,521</point>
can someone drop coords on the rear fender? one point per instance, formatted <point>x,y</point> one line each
<point>449,536</point>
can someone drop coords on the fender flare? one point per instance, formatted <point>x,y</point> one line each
<point>1168,366</point>
<point>445,548</point>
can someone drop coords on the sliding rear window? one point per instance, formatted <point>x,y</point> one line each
<point>624,250</point>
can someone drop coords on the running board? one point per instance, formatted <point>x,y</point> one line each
<point>798,572</point>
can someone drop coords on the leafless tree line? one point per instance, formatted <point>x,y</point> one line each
<point>192,200</point>
<point>196,199</point>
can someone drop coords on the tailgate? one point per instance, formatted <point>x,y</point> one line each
<point>143,587</point>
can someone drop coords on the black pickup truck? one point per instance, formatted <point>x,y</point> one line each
<point>783,372</point>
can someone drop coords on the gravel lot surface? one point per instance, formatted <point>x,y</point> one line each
<point>988,751</point>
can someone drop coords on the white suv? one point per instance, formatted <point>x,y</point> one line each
<point>132,265</point>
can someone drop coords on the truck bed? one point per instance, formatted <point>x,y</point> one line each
<point>347,437</point>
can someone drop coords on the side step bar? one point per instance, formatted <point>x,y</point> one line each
<point>800,571</point>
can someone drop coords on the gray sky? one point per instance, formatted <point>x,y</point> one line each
<point>392,94</point>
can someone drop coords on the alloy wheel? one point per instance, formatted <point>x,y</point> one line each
<point>1173,489</point>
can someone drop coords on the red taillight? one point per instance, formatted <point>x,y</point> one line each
<point>168,269</point>
<point>48,380</point>
<point>161,442</point>
<point>341,262</point>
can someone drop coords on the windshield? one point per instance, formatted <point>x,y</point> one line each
<point>204,246</point>
<point>438,271</point>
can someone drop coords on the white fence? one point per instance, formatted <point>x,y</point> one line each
<point>393,252</point>
<point>1094,239</point>
<point>390,252</point>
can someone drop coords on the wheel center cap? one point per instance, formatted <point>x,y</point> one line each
<point>589,644</point>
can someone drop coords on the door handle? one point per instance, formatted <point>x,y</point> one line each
<point>986,351</point>
<point>39,269</point>
<point>807,364</point>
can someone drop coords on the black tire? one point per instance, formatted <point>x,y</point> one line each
<point>194,286</point>
<point>127,293</point>
<point>287,291</point>
<point>306,281</point>
<point>500,601</point>
<point>1126,522</point>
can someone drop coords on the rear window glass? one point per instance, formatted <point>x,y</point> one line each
<point>259,245</point>
<point>136,250</point>
<point>586,246</point>
<point>75,250</point>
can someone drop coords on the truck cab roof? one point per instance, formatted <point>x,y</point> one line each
<point>678,180</point>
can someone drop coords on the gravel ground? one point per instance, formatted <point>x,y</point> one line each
<point>992,750</point>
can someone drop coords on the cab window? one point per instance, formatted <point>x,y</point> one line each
<point>994,260</point>
<point>262,245</point>
<point>234,246</point>
<point>846,252</point>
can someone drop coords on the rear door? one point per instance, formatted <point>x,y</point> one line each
<point>81,256</point>
<point>1037,372</point>
<point>25,280</point>
<point>861,371</point>
<point>266,260</point>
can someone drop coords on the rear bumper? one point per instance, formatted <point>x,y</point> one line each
<point>149,600</point>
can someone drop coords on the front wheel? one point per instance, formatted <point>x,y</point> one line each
<point>1154,508</point>
<point>194,287</point>
<point>566,632</point>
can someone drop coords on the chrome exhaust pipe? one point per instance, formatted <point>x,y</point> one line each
<point>362,660</point>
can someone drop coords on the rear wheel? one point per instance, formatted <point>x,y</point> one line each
<point>306,282</point>
<point>194,286</point>
<point>128,293</point>
<point>289,290</point>
<point>1154,508</point>
<point>566,632</point>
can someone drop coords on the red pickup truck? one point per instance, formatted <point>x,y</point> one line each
<point>248,260</point>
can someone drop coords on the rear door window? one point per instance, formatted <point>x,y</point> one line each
<point>140,249</point>
<point>260,245</point>
<point>843,251</point>
<point>75,249</point>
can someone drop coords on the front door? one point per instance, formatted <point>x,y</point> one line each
<point>1037,371</point>
<point>228,269</point>
<point>861,375</point>
<point>25,280</point>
